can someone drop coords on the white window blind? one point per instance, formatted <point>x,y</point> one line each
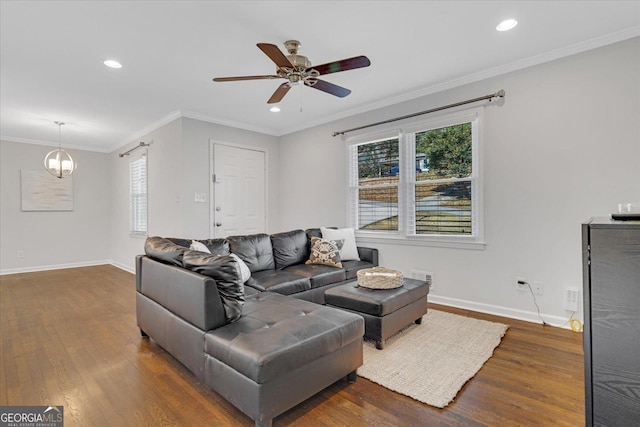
<point>138,195</point>
<point>374,184</point>
<point>419,184</point>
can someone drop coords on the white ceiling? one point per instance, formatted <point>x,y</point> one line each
<point>51,55</point>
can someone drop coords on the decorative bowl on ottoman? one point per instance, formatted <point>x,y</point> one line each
<point>379,278</point>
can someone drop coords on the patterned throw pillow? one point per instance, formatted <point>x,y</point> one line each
<point>324,252</point>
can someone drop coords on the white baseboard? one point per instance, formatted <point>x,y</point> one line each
<point>528,316</point>
<point>36,268</point>
<point>512,313</point>
<point>124,267</point>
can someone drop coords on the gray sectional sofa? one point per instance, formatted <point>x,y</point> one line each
<point>266,344</point>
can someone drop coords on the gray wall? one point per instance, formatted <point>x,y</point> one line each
<point>196,151</point>
<point>53,239</point>
<point>164,179</point>
<point>178,167</point>
<point>564,146</point>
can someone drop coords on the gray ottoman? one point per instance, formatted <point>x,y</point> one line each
<point>385,311</point>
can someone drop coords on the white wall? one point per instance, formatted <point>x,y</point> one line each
<point>53,239</point>
<point>565,146</point>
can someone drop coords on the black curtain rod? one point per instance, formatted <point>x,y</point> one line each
<point>126,153</point>
<point>498,94</point>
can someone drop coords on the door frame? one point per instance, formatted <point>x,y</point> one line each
<point>212,144</point>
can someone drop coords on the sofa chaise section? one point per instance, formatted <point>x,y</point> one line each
<point>280,352</point>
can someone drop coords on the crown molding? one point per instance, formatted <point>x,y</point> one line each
<point>53,144</point>
<point>233,124</point>
<point>147,129</point>
<point>553,55</point>
<point>573,49</point>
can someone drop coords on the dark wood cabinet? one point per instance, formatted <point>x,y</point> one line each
<point>611,265</point>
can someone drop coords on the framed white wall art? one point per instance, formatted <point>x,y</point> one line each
<point>42,191</point>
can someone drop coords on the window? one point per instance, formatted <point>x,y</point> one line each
<point>419,185</point>
<point>138,195</point>
<point>377,166</point>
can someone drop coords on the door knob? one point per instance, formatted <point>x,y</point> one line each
<point>218,224</point>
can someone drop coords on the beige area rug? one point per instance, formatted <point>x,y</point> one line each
<point>432,361</point>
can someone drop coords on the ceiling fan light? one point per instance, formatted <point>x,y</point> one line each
<point>112,63</point>
<point>274,109</point>
<point>507,24</point>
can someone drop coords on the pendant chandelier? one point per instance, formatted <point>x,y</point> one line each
<point>58,162</point>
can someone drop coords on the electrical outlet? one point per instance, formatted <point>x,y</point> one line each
<point>427,276</point>
<point>571,300</point>
<point>521,287</point>
<point>538,288</point>
<point>20,254</point>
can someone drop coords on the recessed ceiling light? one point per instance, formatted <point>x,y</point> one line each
<point>112,63</point>
<point>507,24</point>
<point>274,109</point>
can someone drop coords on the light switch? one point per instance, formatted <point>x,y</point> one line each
<point>200,198</point>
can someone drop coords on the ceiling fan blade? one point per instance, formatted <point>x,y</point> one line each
<point>235,79</point>
<point>336,90</point>
<point>279,93</point>
<point>343,65</point>
<point>275,54</point>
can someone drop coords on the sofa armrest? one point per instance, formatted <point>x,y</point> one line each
<point>189,295</point>
<point>368,254</point>
<point>138,271</point>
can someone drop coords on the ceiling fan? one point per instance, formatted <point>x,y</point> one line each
<point>297,69</point>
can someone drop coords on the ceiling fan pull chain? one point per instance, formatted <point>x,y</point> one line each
<point>301,97</point>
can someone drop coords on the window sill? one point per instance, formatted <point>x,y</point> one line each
<point>138,234</point>
<point>398,239</point>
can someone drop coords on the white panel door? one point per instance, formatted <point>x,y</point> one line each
<point>239,191</point>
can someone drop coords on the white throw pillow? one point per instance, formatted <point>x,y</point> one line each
<point>199,246</point>
<point>349,250</point>
<point>245,273</point>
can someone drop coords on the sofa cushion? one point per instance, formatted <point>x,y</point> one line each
<point>313,232</point>
<point>278,334</point>
<point>324,252</point>
<point>279,281</point>
<point>215,246</point>
<point>352,267</point>
<point>164,250</point>
<point>289,248</point>
<point>255,250</point>
<point>319,275</point>
<point>225,270</point>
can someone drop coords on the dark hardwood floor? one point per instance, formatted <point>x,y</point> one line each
<point>69,337</point>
